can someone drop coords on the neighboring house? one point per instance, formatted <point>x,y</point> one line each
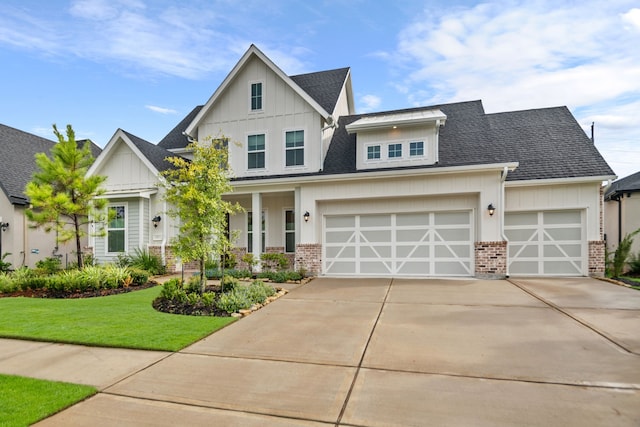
<point>443,190</point>
<point>622,211</point>
<point>27,245</point>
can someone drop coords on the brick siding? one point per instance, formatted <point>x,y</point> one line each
<point>491,260</point>
<point>596,258</point>
<point>309,257</point>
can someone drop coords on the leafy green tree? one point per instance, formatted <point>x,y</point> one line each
<point>62,197</point>
<point>194,189</point>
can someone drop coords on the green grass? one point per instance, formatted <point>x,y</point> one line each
<point>25,400</point>
<point>126,320</point>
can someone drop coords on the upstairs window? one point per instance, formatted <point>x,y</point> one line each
<point>395,151</point>
<point>373,152</point>
<point>255,151</point>
<point>294,147</point>
<point>256,96</point>
<point>116,229</point>
<point>416,148</point>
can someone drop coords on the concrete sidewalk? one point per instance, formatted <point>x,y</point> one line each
<point>381,352</point>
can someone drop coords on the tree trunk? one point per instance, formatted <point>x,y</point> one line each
<point>76,225</point>
<point>203,278</point>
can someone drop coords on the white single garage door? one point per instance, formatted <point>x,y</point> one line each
<point>546,243</point>
<point>407,244</point>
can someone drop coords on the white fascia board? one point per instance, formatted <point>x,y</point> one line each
<point>377,174</point>
<point>556,181</point>
<point>253,50</point>
<point>397,119</point>
<point>125,194</point>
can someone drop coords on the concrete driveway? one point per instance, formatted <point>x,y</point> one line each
<point>383,352</point>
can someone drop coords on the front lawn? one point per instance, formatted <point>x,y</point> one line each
<point>126,320</point>
<point>25,400</point>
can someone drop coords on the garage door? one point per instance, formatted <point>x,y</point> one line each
<point>546,243</point>
<point>407,244</point>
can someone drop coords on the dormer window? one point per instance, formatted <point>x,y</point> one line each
<point>373,152</point>
<point>256,96</point>
<point>395,151</point>
<point>416,149</point>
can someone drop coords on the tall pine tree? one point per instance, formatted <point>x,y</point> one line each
<point>62,197</point>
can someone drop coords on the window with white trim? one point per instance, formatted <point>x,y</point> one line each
<point>289,231</point>
<point>250,232</point>
<point>416,148</point>
<point>395,151</point>
<point>256,151</point>
<point>373,152</point>
<point>256,96</point>
<point>294,148</point>
<point>117,229</point>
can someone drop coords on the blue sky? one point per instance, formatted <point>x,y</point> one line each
<point>141,65</point>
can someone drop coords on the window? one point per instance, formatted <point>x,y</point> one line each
<point>256,96</point>
<point>294,146</point>
<point>116,229</point>
<point>395,150</point>
<point>250,232</point>
<point>256,151</point>
<point>373,152</point>
<point>416,148</point>
<point>289,231</point>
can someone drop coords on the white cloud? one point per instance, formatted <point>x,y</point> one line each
<point>632,17</point>
<point>369,103</point>
<point>160,110</point>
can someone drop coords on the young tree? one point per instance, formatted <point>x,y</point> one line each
<point>194,190</point>
<point>62,197</point>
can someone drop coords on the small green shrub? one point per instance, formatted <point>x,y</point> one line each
<point>92,276</point>
<point>173,290</point>
<point>114,276</point>
<point>5,265</point>
<point>123,260</point>
<point>138,276</point>
<point>7,284</point>
<point>144,260</point>
<point>274,261</point>
<point>229,283</point>
<point>233,301</point>
<point>50,265</point>
<point>622,253</point>
<point>213,273</point>
<point>22,276</point>
<point>208,299</point>
<point>634,264</point>
<point>258,291</point>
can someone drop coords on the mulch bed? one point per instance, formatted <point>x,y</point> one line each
<point>175,307</point>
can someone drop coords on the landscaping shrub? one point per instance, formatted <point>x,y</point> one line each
<point>4,265</point>
<point>233,301</point>
<point>172,290</point>
<point>274,261</point>
<point>138,276</point>
<point>50,265</point>
<point>259,291</point>
<point>114,276</point>
<point>22,276</point>
<point>7,284</point>
<point>634,264</point>
<point>229,283</point>
<point>144,260</point>
<point>621,254</point>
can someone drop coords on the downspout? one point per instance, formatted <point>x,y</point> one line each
<point>503,178</point>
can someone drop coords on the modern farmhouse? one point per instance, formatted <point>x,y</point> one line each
<point>441,190</point>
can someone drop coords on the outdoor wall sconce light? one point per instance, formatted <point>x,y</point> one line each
<point>156,219</point>
<point>306,216</point>
<point>4,226</point>
<point>491,209</point>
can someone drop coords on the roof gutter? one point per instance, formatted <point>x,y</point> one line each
<point>395,173</point>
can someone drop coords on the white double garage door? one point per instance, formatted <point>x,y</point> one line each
<point>442,244</point>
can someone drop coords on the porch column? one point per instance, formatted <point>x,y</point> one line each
<point>256,225</point>
<point>298,214</point>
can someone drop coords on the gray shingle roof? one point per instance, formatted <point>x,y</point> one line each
<point>629,184</point>
<point>155,154</point>
<point>175,138</point>
<point>17,149</point>
<point>323,86</point>
<point>548,143</point>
